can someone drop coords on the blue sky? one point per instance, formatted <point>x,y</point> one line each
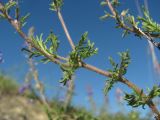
<point>80,16</point>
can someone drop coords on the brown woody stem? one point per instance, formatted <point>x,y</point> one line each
<point>65,29</point>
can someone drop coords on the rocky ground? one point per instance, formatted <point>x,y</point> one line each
<point>20,108</point>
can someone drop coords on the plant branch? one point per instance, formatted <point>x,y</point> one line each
<point>56,59</point>
<point>134,29</point>
<point>39,86</point>
<point>124,81</point>
<point>111,8</point>
<point>65,29</point>
<point>84,65</point>
<point>150,40</point>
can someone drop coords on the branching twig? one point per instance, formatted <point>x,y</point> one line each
<point>150,40</point>
<point>15,24</point>
<point>149,37</point>
<point>84,65</point>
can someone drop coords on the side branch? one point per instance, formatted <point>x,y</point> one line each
<point>133,29</point>
<point>124,81</point>
<point>65,29</point>
<point>149,38</point>
<point>138,91</point>
<point>15,24</point>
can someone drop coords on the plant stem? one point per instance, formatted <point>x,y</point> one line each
<point>70,90</point>
<point>123,80</point>
<point>134,29</point>
<point>65,29</point>
<point>15,24</point>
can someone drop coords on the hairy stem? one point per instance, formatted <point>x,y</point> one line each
<point>70,90</point>
<point>69,94</point>
<point>65,29</point>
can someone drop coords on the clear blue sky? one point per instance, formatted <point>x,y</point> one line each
<point>80,16</point>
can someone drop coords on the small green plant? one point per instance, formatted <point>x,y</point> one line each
<point>119,70</point>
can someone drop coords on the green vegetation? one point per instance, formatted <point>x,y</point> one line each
<point>7,85</point>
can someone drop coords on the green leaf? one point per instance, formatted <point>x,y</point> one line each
<point>9,5</point>
<point>83,50</point>
<point>17,12</point>
<point>104,17</point>
<point>45,60</point>
<point>124,12</point>
<point>112,61</point>
<point>23,20</point>
<point>103,3</point>
<point>53,39</point>
<point>67,74</point>
<point>135,100</point>
<point>48,46</point>
<point>108,86</point>
<point>148,24</point>
<point>56,5</point>
<point>115,3</point>
<point>125,33</point>
<point>2,16</point>
<point>118,70</point>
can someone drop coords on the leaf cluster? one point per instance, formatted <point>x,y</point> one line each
<point>22,20</point>
<point>155,92</point>
<point>48,46</point>
<point>139,26</point>
<point>148,24</point>
<point>115,3</point>
<point>9,5</point>
<point>123,19</point>
<point>136,100</point>
<point>118,70</point>
<point>56,5</point>
<point>83,50</point>
<point>6,11</point>
<point>129,23</point>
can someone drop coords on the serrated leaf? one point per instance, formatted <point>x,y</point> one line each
<point>2,16</point>
<point>124,12</point>
<point>104,17</point>
<point>9,5</point>
<point>109,84</point>
<point>52,38</point>
<point>103,3</point>
<point>23,19</point>
<point>125,33</point>
<point>112,61</point>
